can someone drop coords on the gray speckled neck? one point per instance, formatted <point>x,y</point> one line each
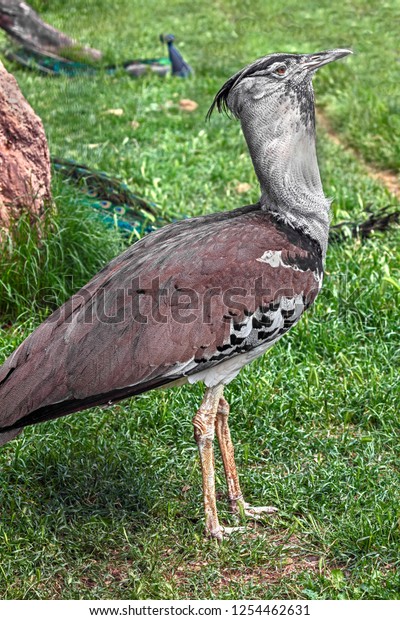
<point>280,134</point>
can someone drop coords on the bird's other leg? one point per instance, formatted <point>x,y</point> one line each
<point>235,495</point>
<point>204,428</point>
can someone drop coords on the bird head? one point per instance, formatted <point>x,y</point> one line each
<point>274,77</point>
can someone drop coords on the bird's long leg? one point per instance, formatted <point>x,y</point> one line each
<point>204,428</point>
<point>235,495</point>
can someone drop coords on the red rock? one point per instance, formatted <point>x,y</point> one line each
<point>24,155</point>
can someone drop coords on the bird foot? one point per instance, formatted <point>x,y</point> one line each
<point>242,509</point>
<point>256,512</point>
<point>228,531</point>
<point>225,532</point>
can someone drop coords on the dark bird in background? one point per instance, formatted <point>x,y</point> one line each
<point>179,67</point>
<point>112,200</point>
<point>198,299</point>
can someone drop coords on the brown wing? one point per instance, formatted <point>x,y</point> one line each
<point>158,312</point>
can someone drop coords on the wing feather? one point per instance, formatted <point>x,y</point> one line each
<point>153,313</point>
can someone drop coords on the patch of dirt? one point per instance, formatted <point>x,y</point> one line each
<point>265,576</point>
<point>388,178</point>
<point>117,570</point>
<point>292,559</point>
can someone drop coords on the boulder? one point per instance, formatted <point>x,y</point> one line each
<point>24,155</point>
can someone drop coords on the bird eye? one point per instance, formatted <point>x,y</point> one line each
<point>280,70</point>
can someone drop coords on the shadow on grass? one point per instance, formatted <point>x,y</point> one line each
<point>60,473</point>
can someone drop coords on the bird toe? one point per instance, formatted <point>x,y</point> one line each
<point>256,512</point>
<point>228,531</point>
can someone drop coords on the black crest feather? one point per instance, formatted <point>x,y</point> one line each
<point>220,99</point>
<point>255,68</point>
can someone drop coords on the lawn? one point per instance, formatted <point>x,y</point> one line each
<point>106,504</point>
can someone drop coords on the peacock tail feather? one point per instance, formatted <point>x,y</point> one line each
<point>114,202</point>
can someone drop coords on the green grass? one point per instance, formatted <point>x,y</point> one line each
<point>107,503</point>
<point>362,94</point>
<point>41,266</point>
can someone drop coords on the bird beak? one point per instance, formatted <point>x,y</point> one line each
<point>313,62</point>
